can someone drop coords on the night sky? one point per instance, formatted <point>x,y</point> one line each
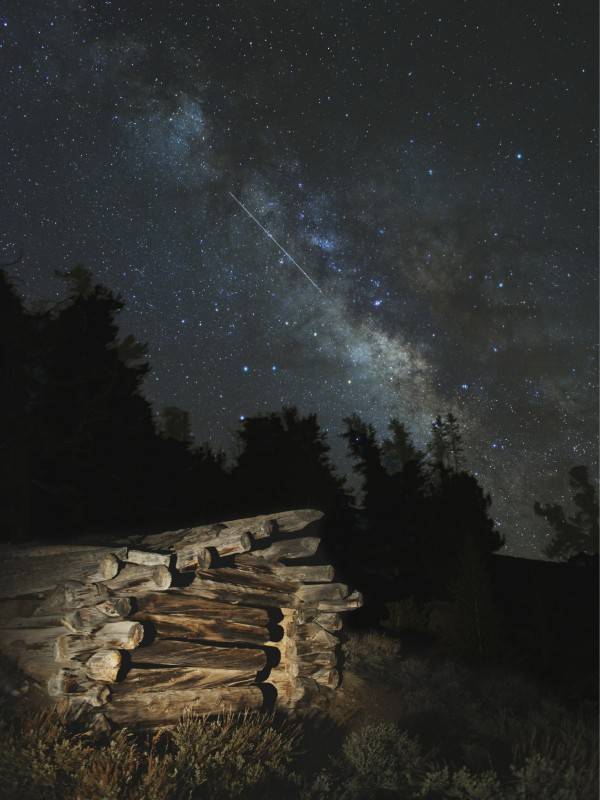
<point>431,166</point>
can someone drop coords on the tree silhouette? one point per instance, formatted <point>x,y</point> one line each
<point>174,423</point>
<point>577,533</point>
<point>78,441</point>
<point>398,449</point>
<point>445,447</point>
<point>284,463</point>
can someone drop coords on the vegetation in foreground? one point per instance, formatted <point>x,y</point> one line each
<point>454,734</point>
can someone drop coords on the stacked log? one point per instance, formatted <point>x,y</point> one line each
<point>216,617</point>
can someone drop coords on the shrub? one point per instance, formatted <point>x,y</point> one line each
<point>369,649</point>
<point>383,757</point>
<point>234,755</point>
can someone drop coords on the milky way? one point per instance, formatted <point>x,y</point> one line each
<point>430,165</point>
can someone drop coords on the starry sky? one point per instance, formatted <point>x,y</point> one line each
<point>431,166</point>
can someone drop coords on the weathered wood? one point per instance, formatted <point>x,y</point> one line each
<point>39,569</point>
<point>180,626</point>
<point>313,593</point>
<point>148,558</point>
<point>170,652</point>
<point>182,602</point>
<point>354,600</point>
<point>305,574</point>
<point>79,595</point>
<point>70,680</point>
<point>125,635</point>
<point>227,585</point>
<point>96,696</point>
<point>311,632</point>
<point>328,620</point>
<point>188,543</point>
<point>167,679</point>
<point>326,677</point>
<point>35,659</point>
<point>153,709</point>
<point>295,574</point>
<point>319,658</point>
<point>234,594</point>
<point>115,607</point>
<point>108,567</point>
<point>103,665</point>
<point>303,547</point>
<point>16,623</point>
<point>71,595</point>
<point>192,557</point>
<point>314,648</point>
<point>283,522</point>
<point>137,578</point>
<point>28,637</point>
<point>87,620</point>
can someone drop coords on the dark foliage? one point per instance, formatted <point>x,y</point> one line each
<point>78,442</point>
<point>577,533</point>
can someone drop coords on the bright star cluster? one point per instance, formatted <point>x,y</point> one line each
<point>430,165</point>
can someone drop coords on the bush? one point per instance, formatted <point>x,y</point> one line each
<point>369,649</point>
<point>234,755</point>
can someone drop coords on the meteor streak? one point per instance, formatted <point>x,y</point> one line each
<point>274,240</point>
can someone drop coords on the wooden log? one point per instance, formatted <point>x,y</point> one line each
<point>259,527</point>
<point>354,600</point>
<point>116,607</point>
<point>65,684</point>
<point>107,568</point>
<point>71,680</point>
<point>320,658</point>
<point>28,637</point>
<point>311,632</point>
<point>305,574</point>
<point>103,665</point>
<point>303,547</point>
<point>137,578</point>
<point>71,595</point>
<point>235,594</point>
<point>39,569</point>
<point>170,652</point>
<point>314,648</point>
<point>148,558</point>
<point>290,691</point>
<point>182,602</point>
<point>281,522</point>
<point>227,585</point>
<point>326,677</point>
<point>180,626</point>
<point>88,620</point>
<point>302,574</point>
<point>118,635</point>
<point>191,553</point>
<point>312,594</point>
<point>36,660</point>
<point>16,623</point>
<point>328,620</point>
<point>153,709</point>
<point>165,679</point>
<point>192,557</point>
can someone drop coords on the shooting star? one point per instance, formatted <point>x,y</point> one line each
<point>274,240</point>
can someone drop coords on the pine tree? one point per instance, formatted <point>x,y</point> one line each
<point>577,533</point>
<point>398,449</point>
